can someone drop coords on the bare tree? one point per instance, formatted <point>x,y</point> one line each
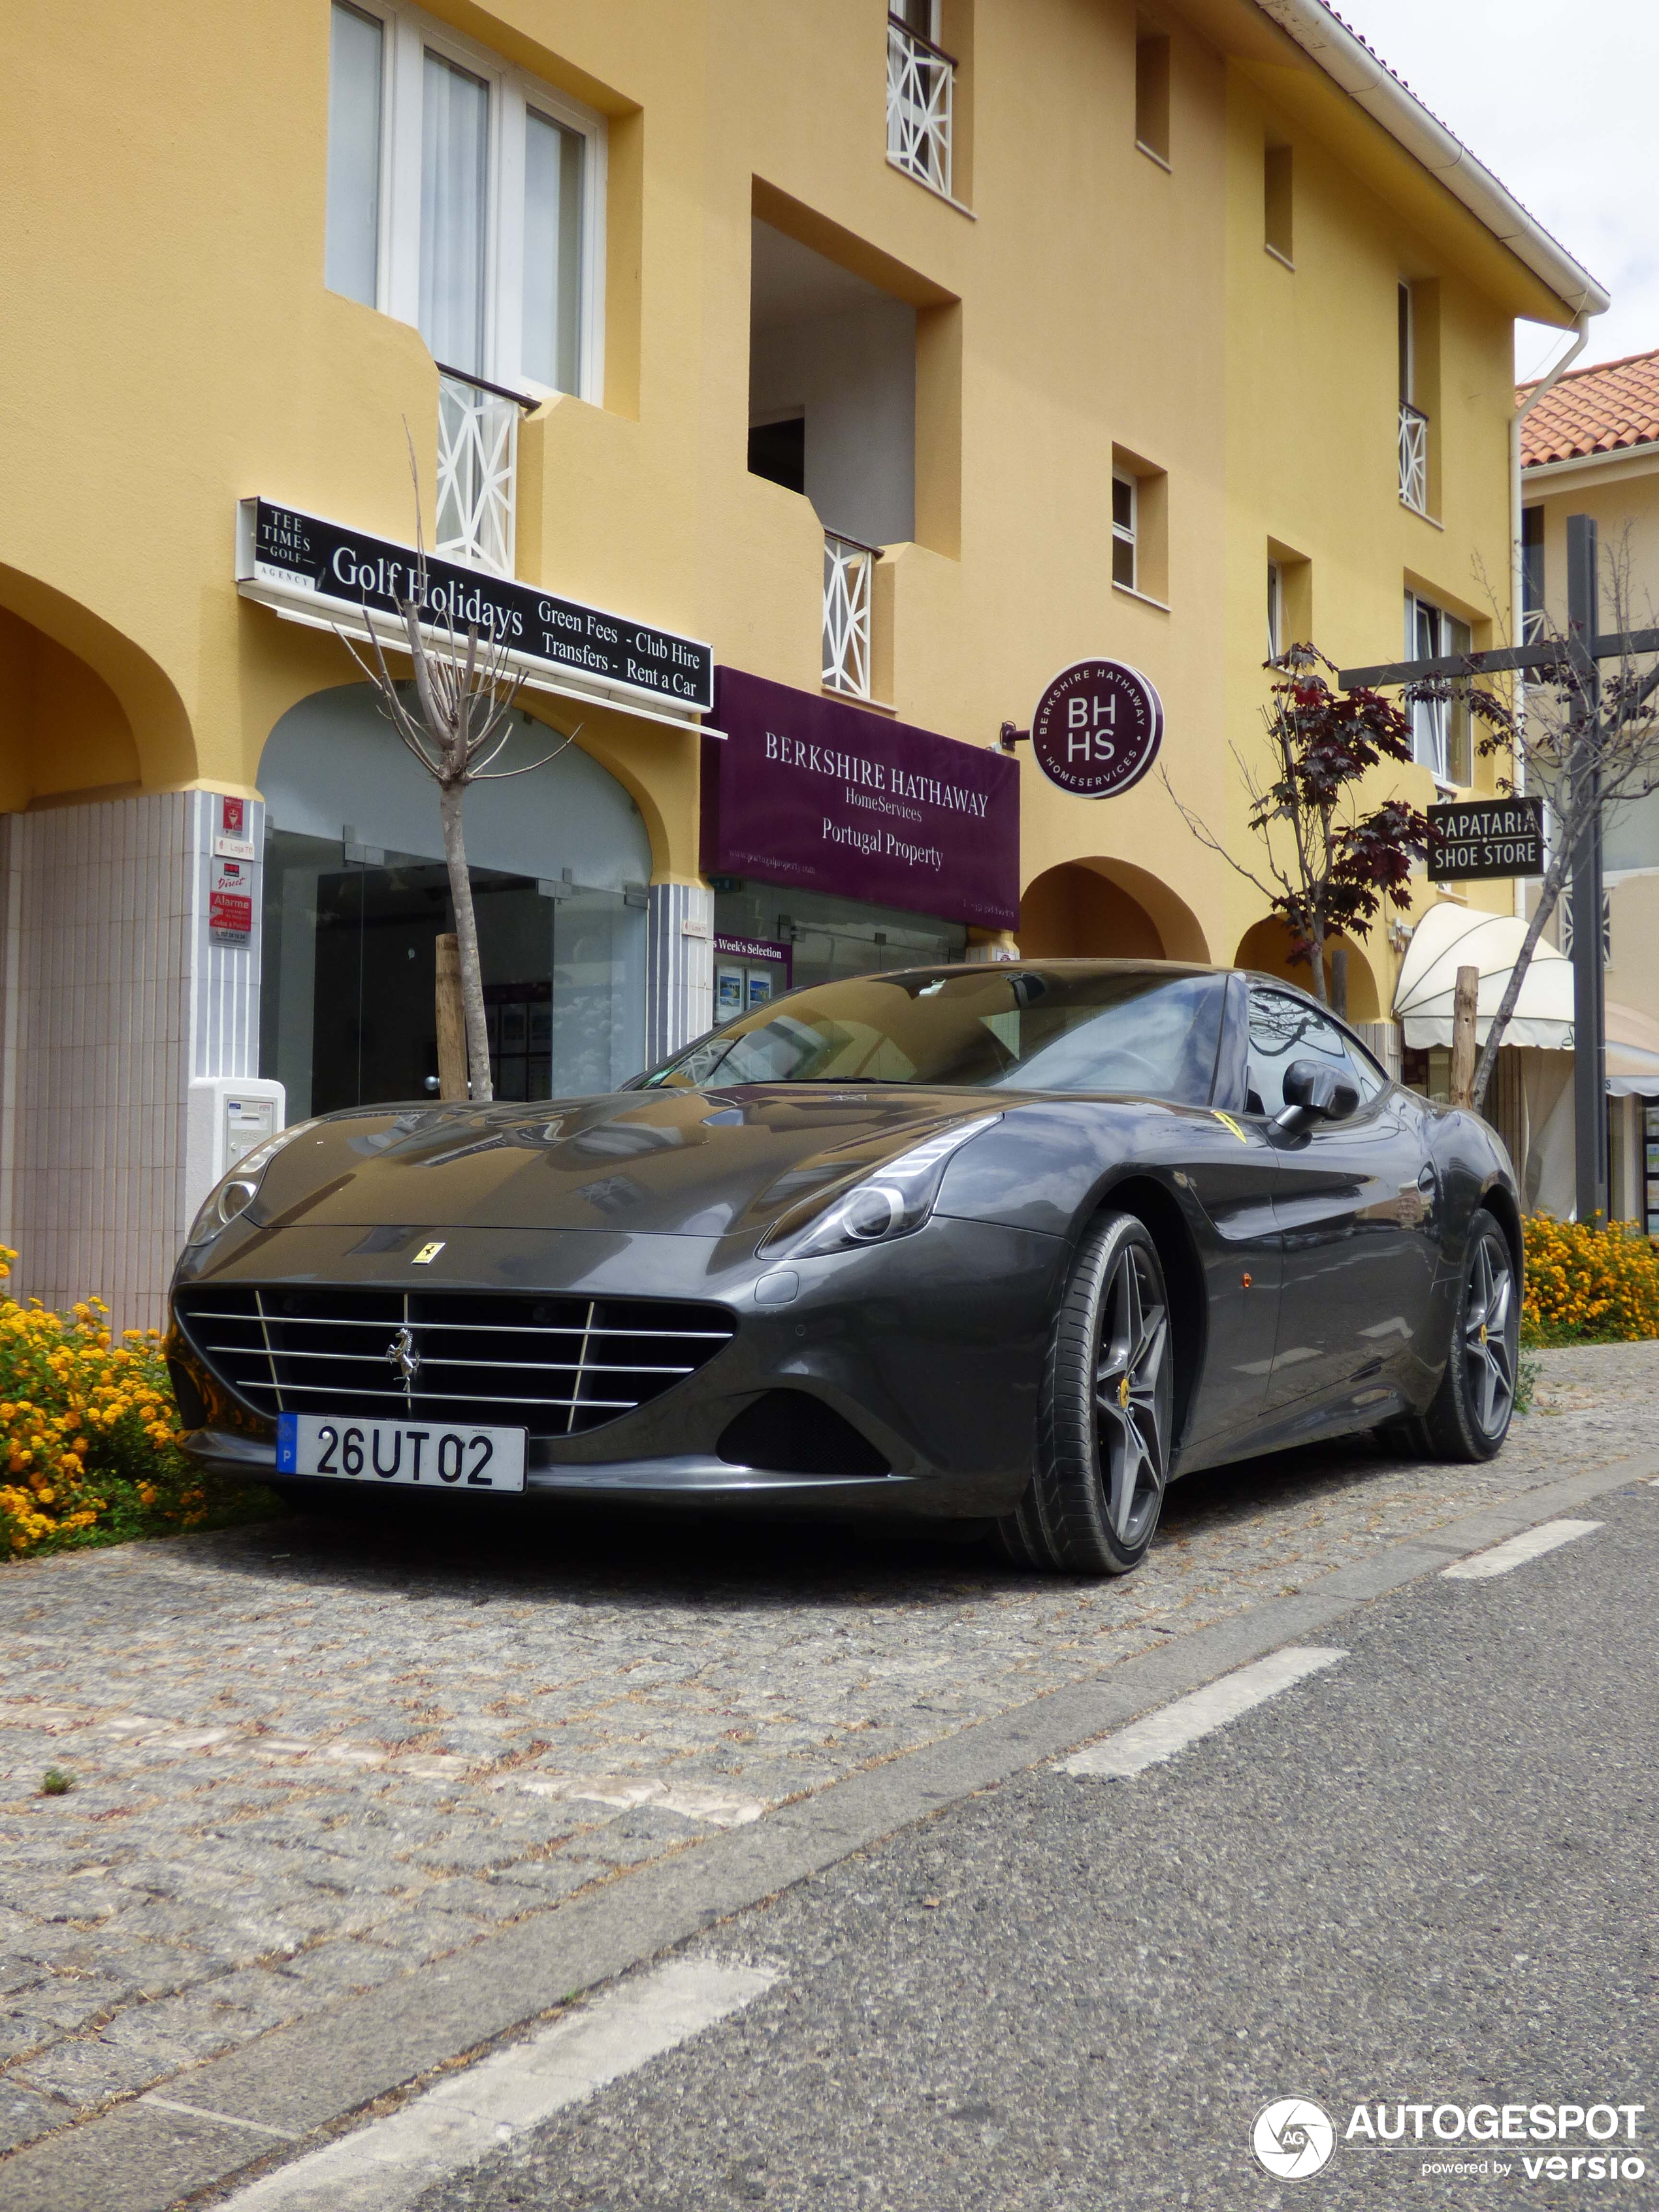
<point>1328,863</point>
<point>1587,742</point>
<point>455,727</point>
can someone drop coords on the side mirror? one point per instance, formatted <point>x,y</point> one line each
<point>1313,1093</point>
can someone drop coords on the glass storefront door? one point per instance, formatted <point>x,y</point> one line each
<point>348,997</point>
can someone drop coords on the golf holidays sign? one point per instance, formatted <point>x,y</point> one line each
<point>1097,729</point>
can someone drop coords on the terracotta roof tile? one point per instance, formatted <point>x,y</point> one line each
<point>1599,409</point>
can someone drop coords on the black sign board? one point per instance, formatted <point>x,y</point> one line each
<point>348,571</point>
<point>1471,838</point>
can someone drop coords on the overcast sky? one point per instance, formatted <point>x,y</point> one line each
<point>1560,99</point>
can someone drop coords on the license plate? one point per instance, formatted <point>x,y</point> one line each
<point>426,1455</point>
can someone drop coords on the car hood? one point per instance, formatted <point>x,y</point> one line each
<point>688,1162</point>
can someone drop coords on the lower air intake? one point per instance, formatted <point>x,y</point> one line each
<point>788,1432</point>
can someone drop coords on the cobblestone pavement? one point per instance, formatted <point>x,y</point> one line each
<point>314,1754</point>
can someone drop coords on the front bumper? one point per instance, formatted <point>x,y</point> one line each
<point>931,1347</point>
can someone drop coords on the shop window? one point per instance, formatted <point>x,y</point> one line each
<point>770,937</point>
<point>1153,95</point>
<point>1441,738</point>
<point>1279,228</point>
<point>467,198</point>
<point>356,894</point>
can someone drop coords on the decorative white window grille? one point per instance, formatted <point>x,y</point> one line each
<point>920,87</point>
<point>477,464</point>
<point>1413,458</point>
<point>848,575</point>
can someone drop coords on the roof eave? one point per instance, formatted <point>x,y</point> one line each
<point>1352,67</point>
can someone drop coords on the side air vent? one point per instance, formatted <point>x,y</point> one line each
<point>788,1432</point>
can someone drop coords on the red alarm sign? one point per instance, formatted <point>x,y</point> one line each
<point>1097,729</point>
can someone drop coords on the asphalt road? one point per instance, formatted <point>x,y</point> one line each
<point>1423,1876</point>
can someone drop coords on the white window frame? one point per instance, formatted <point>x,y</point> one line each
<point>1131,537</point>
<point>1275,609</point>
<point>1433,715</point>
<point>409,32</point>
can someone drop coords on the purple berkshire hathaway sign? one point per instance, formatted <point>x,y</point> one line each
<point>807,791</point>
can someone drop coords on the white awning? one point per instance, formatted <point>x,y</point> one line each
<point>1449,937</point>
<point>1632,1053</point>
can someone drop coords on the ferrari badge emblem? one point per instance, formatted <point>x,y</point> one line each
<point>401,1354</point>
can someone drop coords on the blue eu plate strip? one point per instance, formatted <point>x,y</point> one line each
<point>287,1443</point>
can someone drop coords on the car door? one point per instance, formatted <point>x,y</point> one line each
<point>1228,1173</point>
<point>1355,1206</point>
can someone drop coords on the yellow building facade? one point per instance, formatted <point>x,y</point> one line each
<point>899,361</point>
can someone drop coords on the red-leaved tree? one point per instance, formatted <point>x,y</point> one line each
<point>1329,863</point>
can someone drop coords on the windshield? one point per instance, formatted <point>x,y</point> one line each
<point>1134,1030</point>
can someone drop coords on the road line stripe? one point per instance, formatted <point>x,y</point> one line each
<point>1150,1741</point>
<point>222,2119</point>
<point>385,2165</point>
<point>1515,1551</point>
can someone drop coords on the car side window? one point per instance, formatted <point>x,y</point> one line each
<point>1284,1029</point>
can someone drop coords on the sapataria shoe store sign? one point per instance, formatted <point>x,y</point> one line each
<point>315,571</point>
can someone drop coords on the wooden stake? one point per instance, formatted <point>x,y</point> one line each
<point>1462,1059</point>
<point>452,1021</point>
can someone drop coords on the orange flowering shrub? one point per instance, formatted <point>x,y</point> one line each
<point>1589,1282</point>
<point>89,1433</point>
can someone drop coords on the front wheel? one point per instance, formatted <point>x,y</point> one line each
<point>1470,1416</point>
<point>1106,1411</point>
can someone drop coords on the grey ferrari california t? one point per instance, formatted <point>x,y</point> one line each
<point>1018,1243</point>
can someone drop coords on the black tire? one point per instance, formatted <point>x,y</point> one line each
<point>1470,1418</point>
<point>1106,1415</point>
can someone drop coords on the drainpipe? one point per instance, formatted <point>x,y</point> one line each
<point>1580,323</point>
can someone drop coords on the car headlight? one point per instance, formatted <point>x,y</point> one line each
<point>234,1193</point>
<point>893,1200</point>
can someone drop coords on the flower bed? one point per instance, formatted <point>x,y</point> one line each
<point>1593,1282</point>
<point>89,1435</point>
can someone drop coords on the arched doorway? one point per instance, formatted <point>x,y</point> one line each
<point>63,731</point>
<point>1107,909</point>
<point>356,894</point>
<point>1265,947</point>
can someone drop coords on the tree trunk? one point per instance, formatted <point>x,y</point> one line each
<point>1506,1006</point>
<point>452,1021</point>
<point>1340,981</point>
<point>1464,1004</point>
<point>466,940</point>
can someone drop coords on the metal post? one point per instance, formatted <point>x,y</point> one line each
<point>1589,1096</point>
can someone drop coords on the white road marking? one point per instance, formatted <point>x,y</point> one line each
<point>1148,1742</point>
<point>385,2165</point>
<point>219,2119</point>
<point>1515,1551</point>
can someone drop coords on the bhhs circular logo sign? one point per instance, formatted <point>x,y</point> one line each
<point>1098,728</point>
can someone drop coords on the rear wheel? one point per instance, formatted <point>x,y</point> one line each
<point>1470,1418</point>
<point>1106,1415</point>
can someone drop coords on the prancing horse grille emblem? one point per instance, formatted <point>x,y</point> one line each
<point>401,1354</point>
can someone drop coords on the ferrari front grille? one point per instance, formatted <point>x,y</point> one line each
<point>555,1365</point>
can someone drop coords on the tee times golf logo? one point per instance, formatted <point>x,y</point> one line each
<point>1292,2138</point>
